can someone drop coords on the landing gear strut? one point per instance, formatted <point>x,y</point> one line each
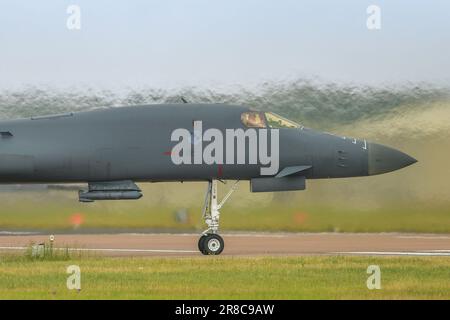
<point>211,243</point>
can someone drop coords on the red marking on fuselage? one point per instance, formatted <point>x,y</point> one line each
<point>219,170</point>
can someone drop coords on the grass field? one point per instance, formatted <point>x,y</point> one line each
<point>33,215</point>
<point>314,277</point>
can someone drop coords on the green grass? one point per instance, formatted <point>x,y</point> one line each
<point>31,215</point>
<point>315,277</point>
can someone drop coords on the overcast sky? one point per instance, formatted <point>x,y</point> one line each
<point>195,42</point>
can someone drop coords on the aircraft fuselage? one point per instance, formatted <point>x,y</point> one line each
<point>134,143</point>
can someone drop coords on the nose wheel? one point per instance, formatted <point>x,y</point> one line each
<point>211,243</point>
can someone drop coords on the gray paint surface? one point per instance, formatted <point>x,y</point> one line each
<point>133,143</point>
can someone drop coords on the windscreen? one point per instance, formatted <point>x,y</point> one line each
<point>276,121</point>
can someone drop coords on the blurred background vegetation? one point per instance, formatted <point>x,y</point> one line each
<point>414,118</point>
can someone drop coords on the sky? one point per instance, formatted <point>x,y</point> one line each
<point>222,42</point>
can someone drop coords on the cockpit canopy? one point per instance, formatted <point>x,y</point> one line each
<point>256,119</point>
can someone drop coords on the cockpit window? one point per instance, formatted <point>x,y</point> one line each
<point>276,121</point>
<point>253,119</point>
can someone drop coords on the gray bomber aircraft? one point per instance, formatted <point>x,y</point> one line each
<point>112,149</point>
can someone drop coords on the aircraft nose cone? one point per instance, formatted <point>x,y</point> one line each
<point>383,159</point>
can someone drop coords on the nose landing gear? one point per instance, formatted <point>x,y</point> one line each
<point>211,243</point>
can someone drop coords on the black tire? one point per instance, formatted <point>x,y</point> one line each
<point>201,246</point>
<point>213,244</point>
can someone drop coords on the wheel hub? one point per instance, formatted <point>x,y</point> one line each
<point>213,245</point>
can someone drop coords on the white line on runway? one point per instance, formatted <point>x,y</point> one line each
<point>18,233</point>
<point>109,250</point>
<point>423,237</point>
<point>396,253</point>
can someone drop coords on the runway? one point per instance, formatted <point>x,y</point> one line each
<point>241,244</point>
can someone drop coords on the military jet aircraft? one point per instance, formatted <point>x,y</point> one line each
<point>111,149</point>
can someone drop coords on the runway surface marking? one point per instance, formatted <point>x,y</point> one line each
<point>375,253</point>
<point>108,250</point>
<point>399,253</point>
<point>423,237</point>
